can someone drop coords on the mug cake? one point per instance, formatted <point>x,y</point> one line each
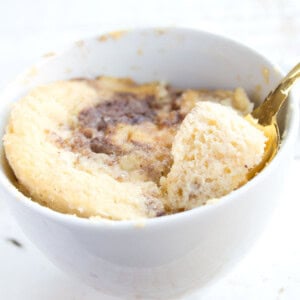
<point>115,149</point>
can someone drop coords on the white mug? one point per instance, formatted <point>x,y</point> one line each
<point>169,256</point>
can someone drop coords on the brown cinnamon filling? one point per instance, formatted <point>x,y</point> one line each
<point>125,108</point>
<point>136,131</point>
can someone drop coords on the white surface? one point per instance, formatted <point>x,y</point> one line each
<point>30,28</point>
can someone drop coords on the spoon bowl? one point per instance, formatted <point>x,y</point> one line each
<point>266,117</point>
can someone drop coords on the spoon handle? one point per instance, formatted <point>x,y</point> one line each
<point>270,107</point>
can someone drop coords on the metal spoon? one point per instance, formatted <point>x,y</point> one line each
<point>266,116</point>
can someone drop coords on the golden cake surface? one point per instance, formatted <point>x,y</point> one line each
<point>107,147</point>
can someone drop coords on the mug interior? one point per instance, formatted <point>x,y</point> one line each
<point>181,57</point>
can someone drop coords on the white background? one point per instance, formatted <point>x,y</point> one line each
<point>31,28</point>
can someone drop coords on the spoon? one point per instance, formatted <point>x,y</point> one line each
<point>265,118</point>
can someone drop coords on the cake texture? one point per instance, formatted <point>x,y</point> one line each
<point>213,152</point>
<point>111,148</point>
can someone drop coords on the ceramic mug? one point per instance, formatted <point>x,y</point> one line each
<point>160,258</point>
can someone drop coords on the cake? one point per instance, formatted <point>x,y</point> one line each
<point>115,149</point>
<point>213,151</point>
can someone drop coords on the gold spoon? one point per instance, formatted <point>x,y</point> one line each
<point>266,116</point>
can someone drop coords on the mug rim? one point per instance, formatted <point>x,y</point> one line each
<point>291,127</point>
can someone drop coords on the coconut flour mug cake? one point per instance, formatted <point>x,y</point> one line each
<point>111,148</point>
<point>136,181</point>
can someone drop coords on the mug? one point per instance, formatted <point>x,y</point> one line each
<point>169,256</point>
